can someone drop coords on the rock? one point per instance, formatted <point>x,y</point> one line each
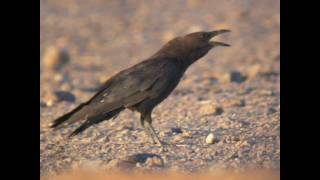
<point>242,103</point>
<point>187,134</point>
<point>211,139</point>
<point>43,104</point>
<point>211,108</point>
<point>66,87</point>
<point>55,58</point>
<point>176,130</point>
<point>50,98</point>
<point>236,76</point>
<point>65,96</point>
<point>271,110</point>
<point>233,76</point>
<point>58,77</point>
<point>154,162</point>
<point>218,111</point>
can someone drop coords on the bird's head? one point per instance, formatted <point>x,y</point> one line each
<point>192,47</point>
<point>199,44</point>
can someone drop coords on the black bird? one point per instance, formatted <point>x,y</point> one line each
<point>144,85</point>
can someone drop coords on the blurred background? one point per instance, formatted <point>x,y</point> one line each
<point>83,42</point>
<point>123,32</point>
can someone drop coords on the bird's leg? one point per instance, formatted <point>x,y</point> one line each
<point>146,129</point>
<point>148,125</point>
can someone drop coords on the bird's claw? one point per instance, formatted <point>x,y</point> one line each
<point>163,147</point>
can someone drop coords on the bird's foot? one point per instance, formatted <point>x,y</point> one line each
<point>163,146</point>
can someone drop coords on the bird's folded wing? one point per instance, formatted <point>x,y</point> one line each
<point>131,87</point>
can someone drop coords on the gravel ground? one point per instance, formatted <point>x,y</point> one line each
<point>233,93</point>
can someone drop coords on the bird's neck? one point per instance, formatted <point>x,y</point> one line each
<point>179,55</point>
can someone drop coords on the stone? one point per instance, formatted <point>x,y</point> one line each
<point>233,76</point>
<point>210,139</point>
<point>50,98</point>
<point>236,76</point>
<point>271,110</point>
<point>211,108</point>
<point>55,58</point>
<point>218,111</point>
<point>154,162</point>
<point>65,96</point>
<point>176,130</point>
<point>187,134</point>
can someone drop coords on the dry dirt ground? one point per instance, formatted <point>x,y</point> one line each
<point>233,93</point>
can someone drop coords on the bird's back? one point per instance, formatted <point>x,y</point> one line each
<point>150,79</point>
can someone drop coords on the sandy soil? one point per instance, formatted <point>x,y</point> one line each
<point>217,175</point>
<point>241,109</point>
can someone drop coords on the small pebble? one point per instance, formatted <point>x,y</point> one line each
<point>271,110</point>
<point>211,139</point>
<point>65,96</point>
<point>187,134</point>
<point>233,76</point>
<point>176,130</point>
<point>154,161</point>
<point>238,77</point>
<point>55,58</point>
<point>50,98</point>
<point>218,111</point>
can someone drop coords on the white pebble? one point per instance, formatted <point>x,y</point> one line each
<point>210,139</point>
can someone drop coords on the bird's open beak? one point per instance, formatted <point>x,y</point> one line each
<point>215,33</point>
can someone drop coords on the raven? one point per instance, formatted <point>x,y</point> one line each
<point>144,85</point>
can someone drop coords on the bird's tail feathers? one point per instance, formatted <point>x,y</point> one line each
<point>95,120</point>
<point>57,123</point>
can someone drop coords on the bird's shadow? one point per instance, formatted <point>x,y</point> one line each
<point>142,157</point>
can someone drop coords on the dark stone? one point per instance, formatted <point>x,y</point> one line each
<point>237,77</point>
<point>271,110</point>
<point>43,104</point>
<point>65,96</point>
<point>140,157</point>
<point>176,130</point>
<point>219,111</point>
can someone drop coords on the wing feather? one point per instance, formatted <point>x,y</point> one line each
<point>129,87</point>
